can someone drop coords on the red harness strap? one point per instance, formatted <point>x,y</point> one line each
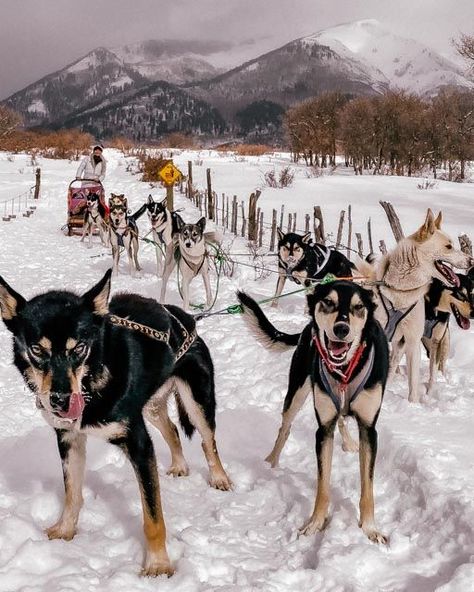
<point>347,375</point>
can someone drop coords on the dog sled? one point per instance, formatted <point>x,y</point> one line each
<point>77,194</point>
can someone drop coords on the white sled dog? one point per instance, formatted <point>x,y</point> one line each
<point>407,272</point>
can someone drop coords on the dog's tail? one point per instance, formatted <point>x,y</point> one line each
<point>266,333</point>
<point>184,420</point>
<point>139,212</point>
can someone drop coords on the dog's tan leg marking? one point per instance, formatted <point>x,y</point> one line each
<point>327,415</point>
<point>186,280</point>
<point>348,443</point>
<point>73,472</point>
<point>366,408</point>
<point>287,418</point>
<point>444,352</point>
<point>157,561</point>
<point>217,476</point>
<point>158,416</point>
<point>279,289</point>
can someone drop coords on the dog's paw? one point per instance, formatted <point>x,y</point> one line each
<point>154,568</point>
<point>272,459</point>
<point>312,526</point>
<point>178,470</point>
<point>60,531</point>
<point>350,446</point>
<point>220,481</point>
<point>374,535</point>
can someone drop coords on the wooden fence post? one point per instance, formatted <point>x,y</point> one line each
<point>210,196</point>
<point>294,222</point>
<point>189,186</point>
<point>465,243</point>
<point>282,213</point>
<point>37,183</point>
<point>360,244</point>
<point>260,234</point>
<point>349,231</point>
<point>393,219</point>
<point>339,229</point>
<point>170,197</point>
<point>252,215</point>
<point>369,234</point>
<point>244,221</point>
<point>274,227</point>
<point>318,226</point>
<point>307,219</point>
<point>290,218</point>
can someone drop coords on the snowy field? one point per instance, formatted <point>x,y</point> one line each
<point>244,540</point>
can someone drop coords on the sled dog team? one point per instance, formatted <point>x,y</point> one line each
<point>176,243</point>
<point>74,353</point>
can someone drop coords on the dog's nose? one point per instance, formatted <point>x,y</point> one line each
<point>59,401</point>
<point>341,330</point>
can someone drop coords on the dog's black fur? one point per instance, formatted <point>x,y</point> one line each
<point>305,375</point>
<point>300,260</point>
<point>64,343</point>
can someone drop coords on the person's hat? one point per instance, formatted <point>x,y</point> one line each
<point>98,147</point>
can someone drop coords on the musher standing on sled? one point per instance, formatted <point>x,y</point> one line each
<point>93,167</point>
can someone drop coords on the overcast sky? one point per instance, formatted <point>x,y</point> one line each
<point>40,36</point>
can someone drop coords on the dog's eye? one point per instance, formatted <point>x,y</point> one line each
<point>358,307</point>
<point>37,350</point>
<point>328,302</point>
<point>449,247</point>
<point>80,348</point>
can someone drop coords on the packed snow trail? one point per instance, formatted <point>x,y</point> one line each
<point>244,540</point>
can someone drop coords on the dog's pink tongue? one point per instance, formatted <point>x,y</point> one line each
<point>338,347</point>
<point>465,323</point>
<point>76,407</point>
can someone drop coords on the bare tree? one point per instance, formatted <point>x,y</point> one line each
<point>9,121</point>
<point>465,47</point>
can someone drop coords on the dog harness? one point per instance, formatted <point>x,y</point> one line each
<point>344,390</point>
<point>430,324</point>
<point>131,228</point>
<point>322,254</point>
<point>394,315</point>
<point>164,336</point>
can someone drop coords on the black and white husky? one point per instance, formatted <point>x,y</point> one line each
<point>342,358</point>
<point>190,253</point>
<point>123,232</point>
<point>161,229</point>
<point>95,217</point>
<point>300,260</point>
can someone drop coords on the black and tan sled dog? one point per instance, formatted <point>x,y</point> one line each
<point>342,357</point>
<point>98,367</point>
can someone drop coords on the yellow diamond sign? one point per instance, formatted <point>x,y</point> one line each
<point>170,174</point>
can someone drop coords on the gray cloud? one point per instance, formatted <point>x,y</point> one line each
<point>37,38</point>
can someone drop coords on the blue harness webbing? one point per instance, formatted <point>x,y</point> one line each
<point>343,395</point>
<point>394,316</point>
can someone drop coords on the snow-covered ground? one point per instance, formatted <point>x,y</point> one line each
<point>244,540</point>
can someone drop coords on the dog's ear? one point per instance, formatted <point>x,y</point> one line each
<point>97,298</point>
<point>306,238</point>
<point>280,234</point>
<point>164,202</point>
<point>438,221</point>
<point>11,304</point>
<point>201,223</point>
<point>427,229</point>
<point>150,200</point>
<point>178,222</point>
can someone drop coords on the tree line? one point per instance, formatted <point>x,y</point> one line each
<point>395,133</point>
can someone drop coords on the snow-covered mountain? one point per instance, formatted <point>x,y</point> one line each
<point>403,62</point>
<point>359,58</point>
<point>104,73</point>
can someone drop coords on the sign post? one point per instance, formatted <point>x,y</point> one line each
<point>170,175</point>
